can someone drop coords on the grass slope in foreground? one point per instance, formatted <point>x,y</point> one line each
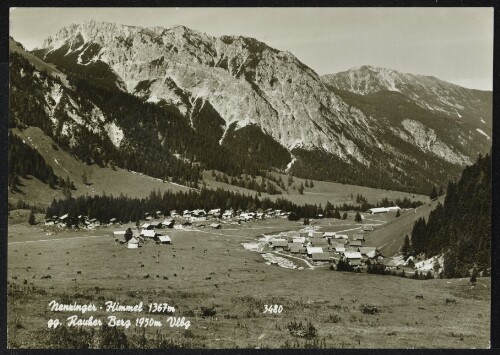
<point>89,267</point>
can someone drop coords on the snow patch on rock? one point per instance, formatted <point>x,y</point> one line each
<point>482,132</point>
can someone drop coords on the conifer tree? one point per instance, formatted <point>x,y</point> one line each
<point>433,195</point>
<point>357,218</point>
<point>406,249</point>
<point>31,219</point>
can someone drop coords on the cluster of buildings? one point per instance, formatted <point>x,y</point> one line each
<point>240,215</point>
<point>66,220</point>
<point>325,247</point>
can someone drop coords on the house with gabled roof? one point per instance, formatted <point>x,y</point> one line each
<point>313,250</point>
<point>355,243</point>
<point>358,237</point>
<point>320,257</point>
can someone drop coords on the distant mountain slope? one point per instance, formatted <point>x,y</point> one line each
<point>185,101</point>
<point>429,92</point>
<point>16,47</point>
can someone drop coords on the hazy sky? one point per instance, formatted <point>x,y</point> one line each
<point>453,44</point>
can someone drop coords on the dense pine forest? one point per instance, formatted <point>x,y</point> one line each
<point>461,227</point>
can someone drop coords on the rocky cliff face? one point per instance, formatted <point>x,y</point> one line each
<point>246,81</point>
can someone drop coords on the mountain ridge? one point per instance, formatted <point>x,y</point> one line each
<point>321,130</point>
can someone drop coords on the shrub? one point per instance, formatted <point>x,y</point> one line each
<point>369,309</point>
<point>208,312</point>
<point>298,329</point>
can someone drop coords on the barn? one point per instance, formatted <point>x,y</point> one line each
<point>358,237</point>
<point>329,235</point>
<point>279,244</point>
<point>316,242</point>
<point>355,243</point>
<point>376,210</point>
<point>163,239</point>
<point>133,243</point>
<point>168,223</point>
<point>148,233</point>
<point>314,250</point>
<point>320,257</point>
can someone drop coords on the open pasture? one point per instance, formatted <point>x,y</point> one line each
<point>210,268</point>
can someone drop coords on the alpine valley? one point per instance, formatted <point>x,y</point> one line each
<point>172,103</point>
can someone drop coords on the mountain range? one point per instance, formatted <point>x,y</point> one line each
<point>173,102</point>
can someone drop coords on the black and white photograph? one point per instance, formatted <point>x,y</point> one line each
<point>249,178</point>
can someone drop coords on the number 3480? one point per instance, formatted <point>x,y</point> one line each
<point>273,308</point>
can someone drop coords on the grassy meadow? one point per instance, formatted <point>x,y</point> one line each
<point>210,269</point>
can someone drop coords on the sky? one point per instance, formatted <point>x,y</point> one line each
<point>453,44</point>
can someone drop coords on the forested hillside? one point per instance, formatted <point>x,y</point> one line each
<point>461,227</point>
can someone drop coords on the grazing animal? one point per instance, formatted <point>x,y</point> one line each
<point>165,278</point>
<point>157,275</point>
<point>420,297</point>
<point>48,268</point>
<point>183,268</point>
<point>174,255</point>
<point>208,278</point>
<point>451,300</point>
<point>67,264</point>
<point>175,275</point>
<point>25,281</point>
<point>33,276</point>
<point>14,277</point>
<point>216,285</point>
<point>142,265</point>
<point>146,276</point>
<point>128,276</point>
<point>74,280</point>
<point>78,272</point>
<point>46,277</point>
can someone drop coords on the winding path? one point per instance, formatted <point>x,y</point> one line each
<point>311,267</point>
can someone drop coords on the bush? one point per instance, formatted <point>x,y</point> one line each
<point>369,309</point>
<point>303,331</point>
<point>376,268</point>
<point>208,312</point>
<point>343,265</point>
<point>334,318</point>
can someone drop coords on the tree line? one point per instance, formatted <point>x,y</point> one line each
<point>126,209</point>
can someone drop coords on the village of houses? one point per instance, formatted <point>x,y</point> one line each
<point>306,243</point>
